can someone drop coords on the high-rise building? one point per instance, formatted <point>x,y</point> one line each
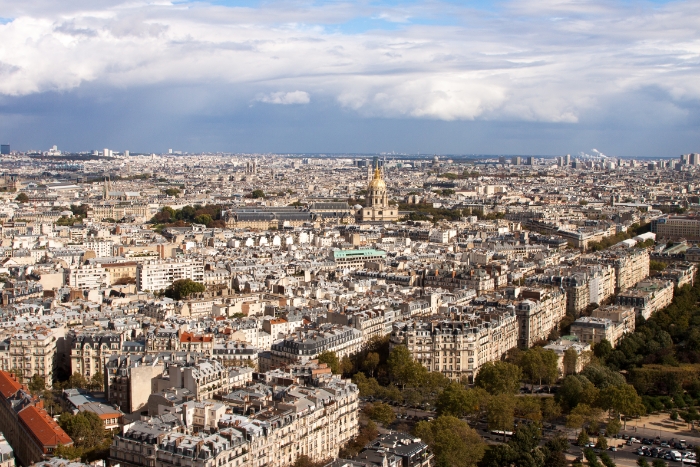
<point>126,153</point>
<point>516,160</point>
<point>5,149</point>
<point>567,160</point>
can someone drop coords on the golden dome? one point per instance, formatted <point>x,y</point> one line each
<point>377,183</point>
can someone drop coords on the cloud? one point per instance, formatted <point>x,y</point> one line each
<point>528,60</point>
<point>285,98</point>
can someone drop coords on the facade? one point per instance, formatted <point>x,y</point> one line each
<point>159,274</point>
<point>539,314</point>
<point>34,353</point>
<point>677,227</point>
<point>314,421</point>
<point>647,297</point>
<point>458,349</point>
<point>303,346</point>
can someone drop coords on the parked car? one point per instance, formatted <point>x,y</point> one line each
<point>612,448</point>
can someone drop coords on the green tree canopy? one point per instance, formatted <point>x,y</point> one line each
<point>85,428</point>
<point>257,194</point>
<point>539,365</point>
<point>499,377</point>
<point>501,412</point>
<point>457,401</point>
<point>574,390</point>
<point>380,412</point>
<point>183,288</point>
<point>331,359</point>
<point>403,370</point>
<point>22,198</point>
<point>370,362</point>
<point>454,443</point>
<point>37,384</point>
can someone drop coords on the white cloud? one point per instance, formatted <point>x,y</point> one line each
<point>516,64</point>
<point>285,98</point>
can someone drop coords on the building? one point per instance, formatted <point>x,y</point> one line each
<point>458,349</point>
<point>5,149</point>
<point>377,208</point>
<point>7,455</point>
<point>560,347</point>
<point>677,227</point>
<point>34,353</point>
<point>303,346</point>
<point>647,297</point>
<point>128,380</point>
<point>623,319</point>
<point>159,274</point>
<point>539,314</point>
<point>32,432</point>
<point>357,258</point>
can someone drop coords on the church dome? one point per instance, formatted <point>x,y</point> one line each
<point>377,183</point>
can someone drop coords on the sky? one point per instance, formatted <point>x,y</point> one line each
<point>545,77</point>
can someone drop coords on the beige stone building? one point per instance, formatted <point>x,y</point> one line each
<point>458,349</point>
<point>539,314</point>
<point>647,297</point>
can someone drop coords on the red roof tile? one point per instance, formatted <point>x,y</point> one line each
<point>8,384</point>
<point>44,428</point>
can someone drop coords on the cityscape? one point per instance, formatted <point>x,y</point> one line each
<point>426,233</point>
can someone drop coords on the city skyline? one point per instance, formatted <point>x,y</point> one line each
<point>546,78</point>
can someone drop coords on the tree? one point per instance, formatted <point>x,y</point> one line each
<point>85,428</point>
<point>501,412</point>
<point>602,443</point>
<point>172,192</point>
<point>183,288</point>
<point>22,198</point>
<point>97,381</point>
<point>576,389</point>
<point>570,361</point>
<point>37,384</point>
<point>456,401</point>
<point>381,412</point>
<point>331,359</point>
<point>370,362</point>
<point>346,366</point>
<point>551,410</point>
<point>602,350</point>
<point>539,364</point>
<point>607,461</point>
<point>642,462</point>
<point>602,376</point>
<point>499,377</point>
<point>257,194</point>
<point>582,439</point>
<point>454,443</point>
<point>528,408</point>
<point>204,219</point>
<point>403,370</point>
<point>613,427</point>
<point>658,463</point>
<point>623,400</point>
<point>77,380</point>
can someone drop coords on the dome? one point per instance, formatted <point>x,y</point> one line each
<point>377,183</point>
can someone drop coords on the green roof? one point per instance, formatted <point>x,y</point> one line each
<point>357,253</point>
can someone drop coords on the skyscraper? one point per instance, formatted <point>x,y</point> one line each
<point>5,149</point>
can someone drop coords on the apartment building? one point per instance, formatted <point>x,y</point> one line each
<point>89,351</point>
<point>539,314</point>
<point>32,433</point>
<point>681,274</point>
<point>128,380</point>
<point>458,349</point>
<point>357,258</point>
<point>622,317</point>
<point>303,346</point>
<point>236,353</point>
<point>159,274</point>
<point>647,297</point>
<point>34,353</point>
<point>314,421</point>
<point>631,265</point>
<point>677,227</point>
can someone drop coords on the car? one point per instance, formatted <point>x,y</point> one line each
<point>664,444</point>
<point>612,448</point>
<point>590,445</point>
<point>625,437</point>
